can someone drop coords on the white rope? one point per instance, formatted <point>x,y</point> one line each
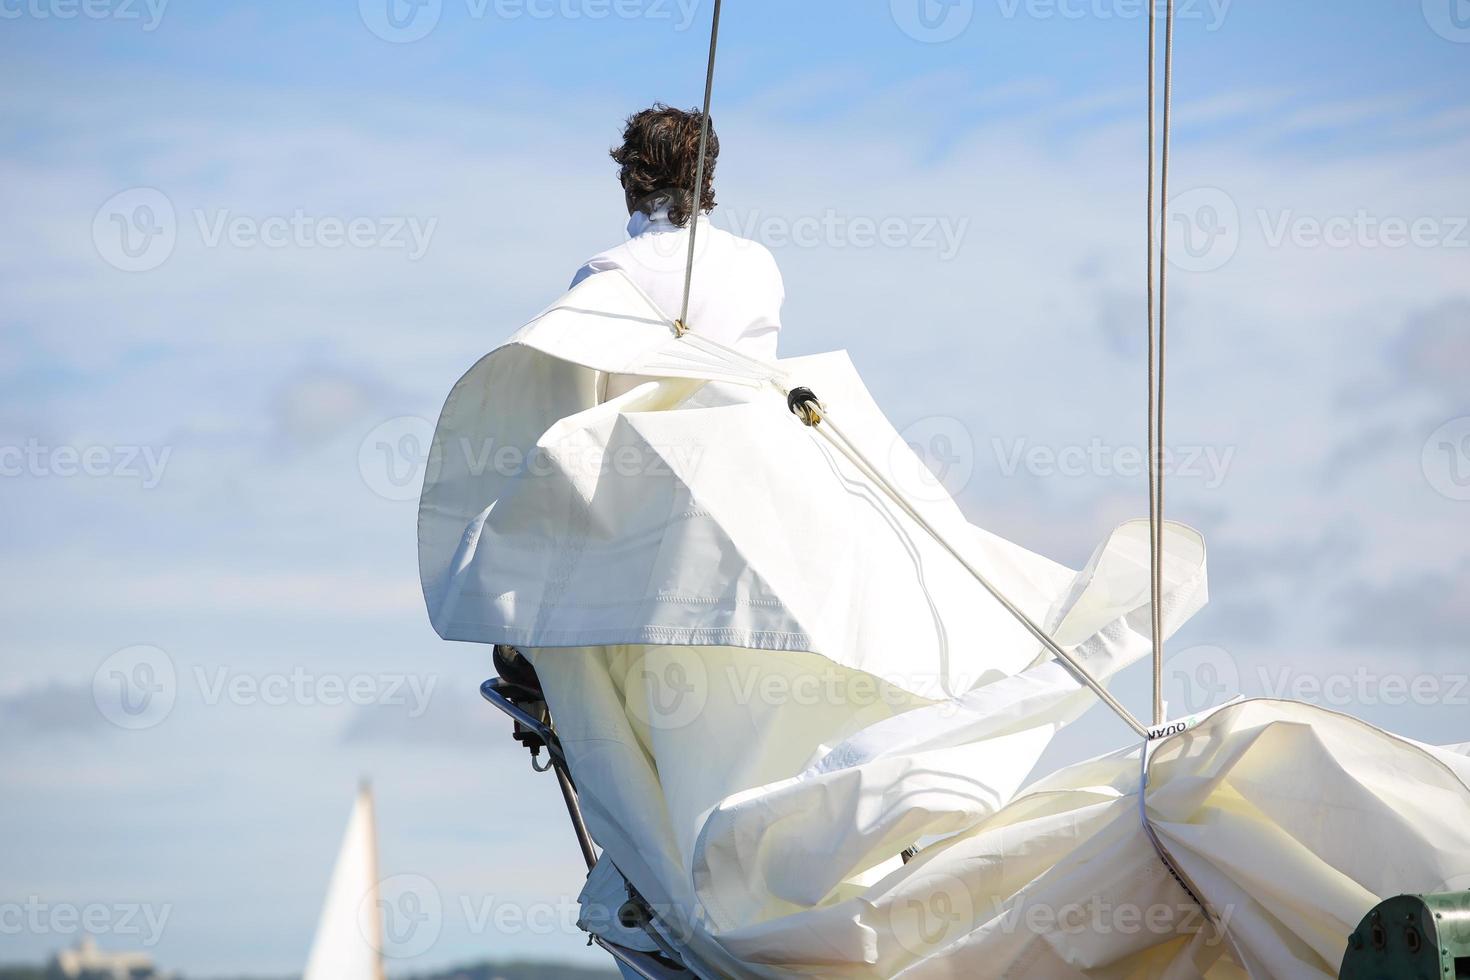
<point>1156,373</point>
<point>696,195</point>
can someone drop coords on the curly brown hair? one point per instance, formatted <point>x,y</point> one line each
<point>658,158</point>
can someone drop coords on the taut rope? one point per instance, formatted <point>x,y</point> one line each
<point>696,194</point>
<point>1156,340</point>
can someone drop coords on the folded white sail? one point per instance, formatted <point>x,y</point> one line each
<point>697,510</point>
<point>770,679</point>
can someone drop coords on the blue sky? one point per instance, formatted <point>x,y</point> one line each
<point>232,391</point>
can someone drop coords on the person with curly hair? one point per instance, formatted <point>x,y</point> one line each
<point>737,290</point>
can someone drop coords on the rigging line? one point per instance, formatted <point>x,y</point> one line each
<point>822,421</point>
<point>1153,502</point>
<point>1160,415</point>
<point>1156,341</point>
<point>834,435</point>
<point>697,193</point>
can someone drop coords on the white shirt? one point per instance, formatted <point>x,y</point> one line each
<point>737,290</point>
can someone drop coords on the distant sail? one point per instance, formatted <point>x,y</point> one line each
<point>349,938</point>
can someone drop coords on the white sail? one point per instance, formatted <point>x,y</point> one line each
<point>769,680</point>
<point>348,939</point>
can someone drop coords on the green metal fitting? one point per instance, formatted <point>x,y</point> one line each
<point>1412,937</point>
